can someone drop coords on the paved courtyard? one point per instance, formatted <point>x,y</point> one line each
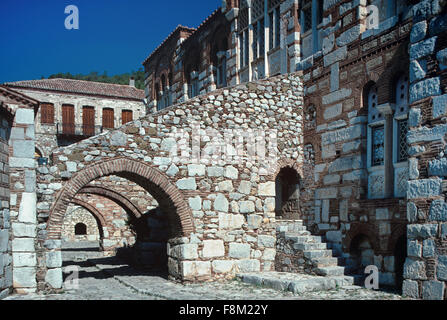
<point>110,279</point>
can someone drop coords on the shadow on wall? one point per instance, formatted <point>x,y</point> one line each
<point>150,249</point>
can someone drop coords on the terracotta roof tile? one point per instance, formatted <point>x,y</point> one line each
<point>81,87</point>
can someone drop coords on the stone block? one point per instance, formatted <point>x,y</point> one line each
<point>423,48</point>
<point>249,265</point>
<point>245,187</point>
<point>414,270</point>
<point>336,96</point>
<point>203,268</point>
<point>424,188</point>
<point>225,186</point>
<point>54,278</point>
<point>23,148</point>
<point>24,116</point>
<point>239,250</point>
<point>442,268</point>
<point>22,230</point>
<point>222,266</point>
<point>418,31</point>
<point>246,207</point>
<point>196,170</point>
<point>265,241</point>
<point>23,245</point>
<point>221,203</point>
<point>438,211</point>
<point>27,210</point>
<point>53,259</point>
<point>337,55</point>
<point>4,240</point>
<point>267,189</point>
<point>439,106</point>
<point>410,289</point>
<point>424,231</point>
<point>418,71</point>
<point>414,249</point>
<point>187,184</point>
<point>254,221</point>
<point>213,248</point>
<point>231,173</point>
<point>428,249</point>
<point>230,221</point>
<point>25,277</point>
<point>195,203</point>
<point>433,290</point>
<point>425,88</point>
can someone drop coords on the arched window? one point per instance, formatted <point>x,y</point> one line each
<point>80,229</point>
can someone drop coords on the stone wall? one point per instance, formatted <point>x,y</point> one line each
<point>78,215</point>
<point>221,215</point>
<point>426,266</point>
<point>5,226</point>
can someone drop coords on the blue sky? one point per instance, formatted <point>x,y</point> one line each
<point>113,36</point>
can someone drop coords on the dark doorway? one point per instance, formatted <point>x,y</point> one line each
<point>287,194</point>
<point>400,254</point>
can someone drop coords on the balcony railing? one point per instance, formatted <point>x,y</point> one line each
<point>65,129</point>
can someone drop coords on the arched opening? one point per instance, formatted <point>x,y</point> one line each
<point>400,254</point>
<point>80,229</point>
<point>154,229</point>
<point>287,194</point>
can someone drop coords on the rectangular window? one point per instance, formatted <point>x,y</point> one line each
<point>307,17</point>
<point>261,38</point>
<point>108,118</point>
<point>127,116</point>
<point>47,113</point>
<point>277,28</point>
<point>402,127</point>
<point>378,146</point>
<point>255,40</point>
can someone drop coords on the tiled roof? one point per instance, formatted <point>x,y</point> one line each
<point>179,27</point>
<point>81,87</point>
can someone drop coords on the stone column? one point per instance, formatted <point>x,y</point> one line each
<point>23,201</point>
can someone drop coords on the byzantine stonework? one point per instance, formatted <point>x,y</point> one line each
<point>354,124</point>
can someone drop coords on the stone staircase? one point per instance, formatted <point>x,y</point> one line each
<point>318,256</point>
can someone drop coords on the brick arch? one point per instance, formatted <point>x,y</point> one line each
<point>94,212</point>
<point>116,197</point>
<point>285,163</point>
<point>155,182</point>
<point>362,229</point>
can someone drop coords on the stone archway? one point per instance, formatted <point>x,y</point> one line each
<point>155,182</point>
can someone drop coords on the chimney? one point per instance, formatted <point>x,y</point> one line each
<point>132,82</point>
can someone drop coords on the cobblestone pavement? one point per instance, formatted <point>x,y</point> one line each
<point>109,279</point>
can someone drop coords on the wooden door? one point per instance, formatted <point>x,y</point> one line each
<point>127,116</point>
<point>88,121</point>
<point>68,119</point>
<point>108,118</point>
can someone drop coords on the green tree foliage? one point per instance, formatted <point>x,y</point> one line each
<point>96,77</point>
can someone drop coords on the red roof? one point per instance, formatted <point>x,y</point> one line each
<point>81,87</point>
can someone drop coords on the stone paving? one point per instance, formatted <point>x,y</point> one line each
<point>110,279</point>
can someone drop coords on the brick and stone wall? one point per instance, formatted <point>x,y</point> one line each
<point>221,215</point>
<point>5,226</point>
<point>426,266</point>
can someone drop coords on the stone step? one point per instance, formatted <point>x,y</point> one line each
<point>310,246</point>
<point>325,262</point>
<point>293,236</point>
<point>312,254</point>
<point>307,239</point>
<point>296,283</point>
<point>330,271</point>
